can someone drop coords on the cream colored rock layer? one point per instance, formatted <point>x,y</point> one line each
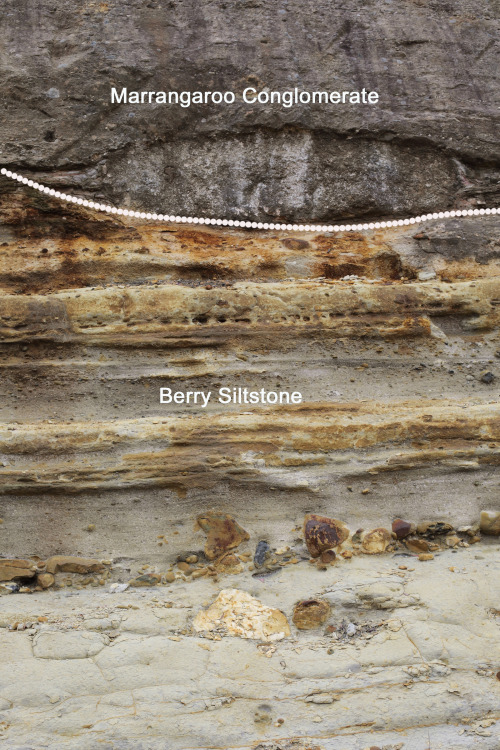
<point>125,670</point>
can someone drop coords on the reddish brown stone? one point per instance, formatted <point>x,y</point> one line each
<point>322,534</point>
<point>402,528</point>
<point>328,557</point>
<point>310,613</point>
<point>223,533</point>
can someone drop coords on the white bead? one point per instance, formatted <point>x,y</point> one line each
<point>230,223</point>
<point>219,222</point>
<point>190,219</point>
<point>236,223</point>
<point>224,222</point>
<point>260,225</point>
<point>301,227</point>
<point>3,170</point>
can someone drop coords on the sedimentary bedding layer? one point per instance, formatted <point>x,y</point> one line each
<point>396,362</point>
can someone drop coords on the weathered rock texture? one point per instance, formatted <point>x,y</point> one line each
<point>431,142</point>
<point>391,336</point>
<point>407,660</point>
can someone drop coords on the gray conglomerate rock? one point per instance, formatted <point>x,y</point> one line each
<point>431,142</point>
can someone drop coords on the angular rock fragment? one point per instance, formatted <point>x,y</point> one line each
<point>322,533</point>
<point>11,569</point>
<point>417,545</point>
<point>70,564</point>
<point>242,615</point>
<point>223,533</point>
<point>434,528</point>
<point>402,528</point>
<point>262,552</point>
<point>489,522</point>
<point>310,614</point>
<point>377,541</point>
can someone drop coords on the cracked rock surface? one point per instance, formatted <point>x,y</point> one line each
<point>407,659</point>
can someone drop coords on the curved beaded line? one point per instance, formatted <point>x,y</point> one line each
<point>246,224</point>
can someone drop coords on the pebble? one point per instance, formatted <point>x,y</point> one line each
<point>322,533</point>
<point>433,528</point>
<point>402,528</point>
<point>148,579</point>
<point>375,542</point>
<point>118,588</point>
<point>45,580</point>
<point>262,552</point>
<point>486,376</point>
<point>425,556</point>
<point>223,533</point>
<point>417,545</point>
<point>489,522</point>
<point>310,613</point>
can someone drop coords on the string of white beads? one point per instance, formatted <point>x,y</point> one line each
<point>246,224</point>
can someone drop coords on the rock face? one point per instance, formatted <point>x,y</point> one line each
<point>390,335</point>
<point>430,143</point>
<point>420,650</point>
